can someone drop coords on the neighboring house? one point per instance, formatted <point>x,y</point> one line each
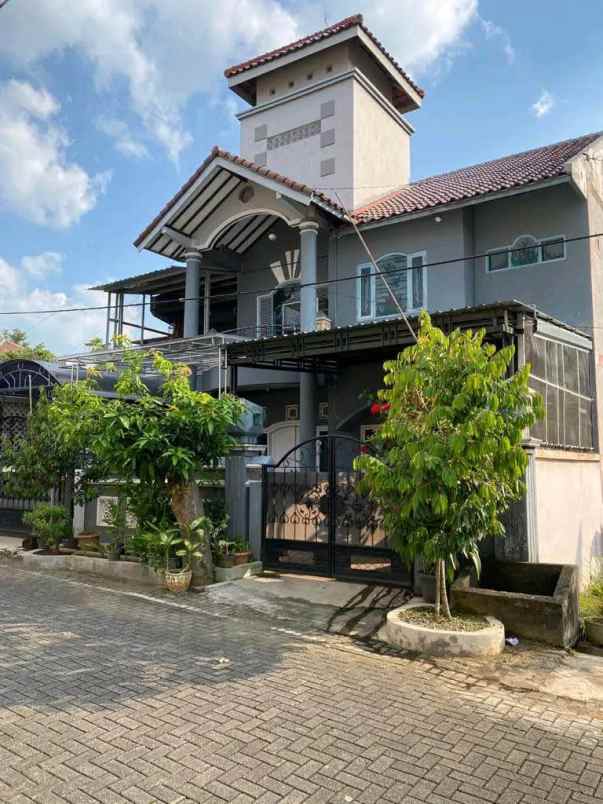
<point>271,290</point>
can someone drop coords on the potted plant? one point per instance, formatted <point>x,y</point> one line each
<point>232,553</point>
<point>591,609</point>
<point>50,524</point>
<point>189,552</point>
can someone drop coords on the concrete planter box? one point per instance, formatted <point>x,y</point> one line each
<point>535,601</point>
<point>594,631</point>
<point>488,641</point>
<point>121,570</point>
<point>239,571</point>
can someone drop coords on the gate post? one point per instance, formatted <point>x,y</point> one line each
<point>241,504</point>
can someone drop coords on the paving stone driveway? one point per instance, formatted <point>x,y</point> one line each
<point>106,697</point>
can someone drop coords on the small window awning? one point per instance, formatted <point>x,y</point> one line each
<point>227,204</point>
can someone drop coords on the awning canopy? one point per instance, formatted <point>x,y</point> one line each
<point>327,350</point>
<point>226,205</point>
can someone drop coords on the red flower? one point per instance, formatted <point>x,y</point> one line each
<point>375,409</point>
<point>385,407</point>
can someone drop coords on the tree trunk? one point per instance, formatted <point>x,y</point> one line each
<point>444,592</point>
<point>187,506</point>
<point>438,580</point>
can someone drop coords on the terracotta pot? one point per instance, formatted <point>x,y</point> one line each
<point>241,558</point>
<point>594,630</point>
<point>233,559</point>
<point>87,541</point>
<point>178,580</point>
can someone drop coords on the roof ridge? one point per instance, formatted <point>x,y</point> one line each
<point>448,173</point>
<point>346,22</point>
<point>317,36</point>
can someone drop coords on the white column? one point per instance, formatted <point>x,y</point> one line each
<point>191,293</point>
<point>308,233</point>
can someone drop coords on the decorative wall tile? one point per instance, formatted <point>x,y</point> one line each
<point>261,159</point>
<point>327,167</point>
<point>327,109</point>
<point>327,138</point>
<point>260,133</point>
<point>293,135</point>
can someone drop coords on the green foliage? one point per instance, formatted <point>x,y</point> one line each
<point>22,350</point>
<point>449,459</point>
<point>195,535</point>
<point>116,520</point>
<point>59,432</point>
<point>164,439</point>
<point>49,523</point>
<point>591,600</point>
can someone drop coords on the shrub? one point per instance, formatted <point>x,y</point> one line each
<point>50,524</point>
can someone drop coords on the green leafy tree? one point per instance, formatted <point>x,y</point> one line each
<point>448,459</point>
<point>56,444</point>
<point>14,345</point>
<point>162,441</point>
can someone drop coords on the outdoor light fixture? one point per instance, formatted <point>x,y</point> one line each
<point>438,219</point>
<point>272,237</point>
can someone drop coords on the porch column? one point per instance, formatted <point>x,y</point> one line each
<point>191,293</point>
<point>308,234</point>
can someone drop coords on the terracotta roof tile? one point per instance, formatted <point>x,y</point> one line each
<point>319,36</point>
<point>506,173</point>
<point>216,153</point>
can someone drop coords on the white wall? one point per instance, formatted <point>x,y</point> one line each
<point>569,510</point>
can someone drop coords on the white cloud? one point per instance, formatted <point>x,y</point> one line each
<point>169,52</point>
<point>493,31</point>
<point>125,142</point>
<point>60,332</point>
<point>544,104</point>
<point>42,265</point>
<point>36,179</point>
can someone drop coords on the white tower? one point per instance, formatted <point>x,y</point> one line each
<point>327,111</point>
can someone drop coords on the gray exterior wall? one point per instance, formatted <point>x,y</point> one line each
<point>446,284</point>
<point>561,288</point>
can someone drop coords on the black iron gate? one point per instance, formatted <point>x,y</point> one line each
<point>316,520</point>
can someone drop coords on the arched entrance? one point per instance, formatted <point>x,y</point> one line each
<point>318,521</point>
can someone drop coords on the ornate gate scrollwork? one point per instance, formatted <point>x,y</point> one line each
<point>317,520</point>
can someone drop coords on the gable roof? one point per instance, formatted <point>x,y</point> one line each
<point>508,172</point>
<point>238,161</point>
<point>319,36</point>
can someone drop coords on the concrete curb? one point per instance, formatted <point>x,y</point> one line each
<point>119,570</point>
<point>489,641</point>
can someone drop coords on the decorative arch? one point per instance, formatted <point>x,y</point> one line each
<point>239,232</point>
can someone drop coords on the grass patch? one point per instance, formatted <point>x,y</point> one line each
<point>425,616</point>
<point>591,600</point>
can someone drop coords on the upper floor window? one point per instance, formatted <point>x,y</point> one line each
<point>526,250</point>
<point>405,275</point>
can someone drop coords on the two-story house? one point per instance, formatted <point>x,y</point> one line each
<point>270,286</point>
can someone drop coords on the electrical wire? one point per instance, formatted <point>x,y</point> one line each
<point>322,282</point>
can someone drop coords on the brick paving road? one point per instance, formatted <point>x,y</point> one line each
<point>110,698</point>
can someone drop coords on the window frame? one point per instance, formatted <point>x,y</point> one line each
<point>409,310</point>
<point>540,242</point>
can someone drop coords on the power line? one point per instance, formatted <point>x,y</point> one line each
<point>323,282</point>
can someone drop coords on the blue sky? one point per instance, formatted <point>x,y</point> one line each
<point>107,106</point>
